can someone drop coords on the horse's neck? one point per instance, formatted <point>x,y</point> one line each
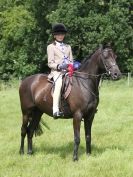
<point>92,65</point>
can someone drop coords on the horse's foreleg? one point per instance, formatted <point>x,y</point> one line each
<point>23,133</point>
<point>76,127</point>
<point>87,125</point>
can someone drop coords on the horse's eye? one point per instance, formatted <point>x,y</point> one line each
<point>105,53</point>
<point>115,56</point>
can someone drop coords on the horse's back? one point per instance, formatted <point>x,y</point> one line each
<point>28,90</point>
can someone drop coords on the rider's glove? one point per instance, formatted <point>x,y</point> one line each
<point>76,65</point>
<point>62,66</point>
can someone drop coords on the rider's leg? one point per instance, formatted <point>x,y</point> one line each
<point>56,95</point>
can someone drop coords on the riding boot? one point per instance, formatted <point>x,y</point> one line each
<point>57,115</point>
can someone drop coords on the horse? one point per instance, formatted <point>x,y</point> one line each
<point>82,100</point>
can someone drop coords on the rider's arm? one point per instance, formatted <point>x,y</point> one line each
<point>51,58</point>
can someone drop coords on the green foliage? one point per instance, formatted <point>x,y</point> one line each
<point>23,37</point>
<point>91,23</point>
<point>25,29</point>
<point>17,27</point>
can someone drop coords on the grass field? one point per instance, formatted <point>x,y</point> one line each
<point>112,139</point>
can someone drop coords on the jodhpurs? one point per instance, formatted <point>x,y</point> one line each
<point>57,91</point>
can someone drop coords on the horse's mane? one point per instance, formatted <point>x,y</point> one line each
<point>87,59</point>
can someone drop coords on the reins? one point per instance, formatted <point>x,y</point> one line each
<point>80,74</point>
<point>93,75</point>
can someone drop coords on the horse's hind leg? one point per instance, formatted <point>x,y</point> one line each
<point>36,116</point>
<point>23,133</point>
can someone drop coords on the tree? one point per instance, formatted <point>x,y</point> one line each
<point>17,25</point>
<point>91,23</point>
<point>23,37</point>
<point>25,27</point>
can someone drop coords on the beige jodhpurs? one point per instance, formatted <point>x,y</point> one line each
<point>57,91</point>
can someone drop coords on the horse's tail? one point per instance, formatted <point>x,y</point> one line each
<point>39,129</point>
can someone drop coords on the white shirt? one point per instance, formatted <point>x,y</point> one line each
<point>61,46</point>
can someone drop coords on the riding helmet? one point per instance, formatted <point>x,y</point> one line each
<point>59,28</point>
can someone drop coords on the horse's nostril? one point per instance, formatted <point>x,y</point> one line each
<point>116,76</point>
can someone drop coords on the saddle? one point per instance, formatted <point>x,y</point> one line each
<point>65,91</point>
<point>66,86</point>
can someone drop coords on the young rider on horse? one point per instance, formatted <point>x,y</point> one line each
<point>59,56</point>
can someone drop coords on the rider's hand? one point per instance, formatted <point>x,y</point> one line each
<point>76,65</point>
<point>62,66</point>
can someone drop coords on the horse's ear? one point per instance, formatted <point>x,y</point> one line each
<point>107,45</point>
<point>101,47</point>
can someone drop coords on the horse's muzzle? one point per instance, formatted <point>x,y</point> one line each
<point>116,75</point>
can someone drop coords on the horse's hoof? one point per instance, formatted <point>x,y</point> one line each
<point>75,158</point>
<point>21,152</point>
<point>30,152</point>
<point>88,154</point>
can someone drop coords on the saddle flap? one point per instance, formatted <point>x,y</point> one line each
<point>66,86</point>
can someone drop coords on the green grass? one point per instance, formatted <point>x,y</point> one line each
<point>112,139</point>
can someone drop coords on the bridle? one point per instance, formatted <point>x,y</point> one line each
<point>107,68</point>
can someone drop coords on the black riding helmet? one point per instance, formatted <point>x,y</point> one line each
<point>59,28</point>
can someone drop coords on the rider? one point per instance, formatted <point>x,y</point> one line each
<point>59,56</point>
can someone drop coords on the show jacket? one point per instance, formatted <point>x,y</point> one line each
<point>56,57</point>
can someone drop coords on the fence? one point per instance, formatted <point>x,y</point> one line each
<point>126,78</point>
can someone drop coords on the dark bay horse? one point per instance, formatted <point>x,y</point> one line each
<point>82,100</point>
